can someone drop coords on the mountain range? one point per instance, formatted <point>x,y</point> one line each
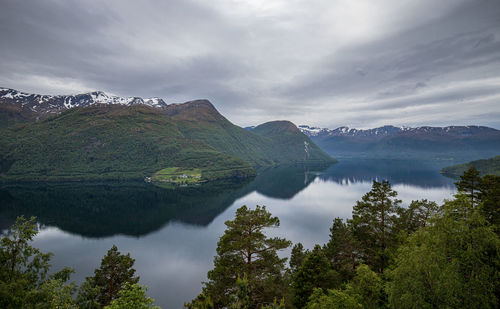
<point>457,143</point>
<point>97,136</point>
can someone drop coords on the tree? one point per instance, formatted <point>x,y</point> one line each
<point>315,272</point>
<point>416,215</point>
<point>332,299</point>
<point>115,270</point>
<point>367,288</point>
<point>489,197</point>
<point>23,271</point>
<point>244,249</point>
<point>341,249</point>
<point>451,263</point>
<point>373,221</point>
<point>469,184</point>
<point>297,257</point>
<point>132,296</point>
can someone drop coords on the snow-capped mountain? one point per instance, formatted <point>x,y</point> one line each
<point>450,143</point>
<point>389,130</point>
<point>54,104</point>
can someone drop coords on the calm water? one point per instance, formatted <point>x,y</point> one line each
<point>173,234</point>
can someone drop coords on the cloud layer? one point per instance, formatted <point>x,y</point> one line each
<point>326,63</point>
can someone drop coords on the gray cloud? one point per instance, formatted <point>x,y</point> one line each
<point>319,62</point>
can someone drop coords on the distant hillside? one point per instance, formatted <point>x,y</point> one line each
<point>485,167</point>
<point>447,143</point>
<point>133,141</point>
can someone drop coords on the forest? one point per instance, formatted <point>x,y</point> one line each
<point>386,255</point>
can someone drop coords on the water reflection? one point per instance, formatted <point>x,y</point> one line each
<point>424,174</point>
<point>179,229</point>
<point>138,208</point>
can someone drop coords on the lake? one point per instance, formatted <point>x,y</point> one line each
<point>173,234</point>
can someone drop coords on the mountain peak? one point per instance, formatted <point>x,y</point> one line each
<point>38,106</point>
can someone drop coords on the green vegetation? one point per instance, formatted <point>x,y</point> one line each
<point>177,175</point>
<point>386,256</point>
<point>24,282</point>
<point>113,142</point>
<point>489,166</point>
<point>245,251</point>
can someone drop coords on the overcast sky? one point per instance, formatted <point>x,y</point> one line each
<point>360,63</point>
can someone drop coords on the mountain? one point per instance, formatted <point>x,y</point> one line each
<point>459,143</point>
<point>132,141</point>
<point>16,106</point>
<point>489,166</point>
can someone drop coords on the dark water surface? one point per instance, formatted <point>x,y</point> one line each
<point>173,234</point>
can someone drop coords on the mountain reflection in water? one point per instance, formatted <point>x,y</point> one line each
<point>173,234</point>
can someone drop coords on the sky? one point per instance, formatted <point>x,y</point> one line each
<point>326,63</point>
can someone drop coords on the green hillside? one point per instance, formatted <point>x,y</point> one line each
<point>133,142</point>
<point>485,167</point>
<point>291,145</point>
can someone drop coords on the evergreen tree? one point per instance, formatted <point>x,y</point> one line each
<point>341,249</point>
<point>416,215</point>
<point>315,272</point>
<point>469,184</point>
<point>489,196</point>
<point>297,257</point>
<point>244,249</point>
<point>115,270</point>
<point>374,221</point>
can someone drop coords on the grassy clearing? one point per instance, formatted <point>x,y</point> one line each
<point>177,175</point>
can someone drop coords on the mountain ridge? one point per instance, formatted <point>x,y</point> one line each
<point>459,143</point>
<point>106,141</point>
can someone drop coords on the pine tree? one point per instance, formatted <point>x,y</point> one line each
<point>416,215</point>
<point>341,249</point>
<point>469,184</point>
<point>297,257</point>
<point>373,221</point>
<point>115,270</point>
<point>244,249</point>
<point>489,197</point>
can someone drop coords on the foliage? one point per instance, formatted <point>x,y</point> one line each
<point>416,215</point>
<point>332,299</point>
<point>453,262</point>
<point>115,142</point>
<point>23,272</point>
<point>315,272</point>
<point>244,249</point>
<point>367,288</point>
<point>374,221</point>
<point>275,305</point>
<point>202,301</point>
<point>489,196</point>
<point>115,271</point>
<point>342,249</point>
<point>469,184</point>
<point>489,166</point>
<point>132,296</point>
<point>240,300</point>
<point>297,257</point>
